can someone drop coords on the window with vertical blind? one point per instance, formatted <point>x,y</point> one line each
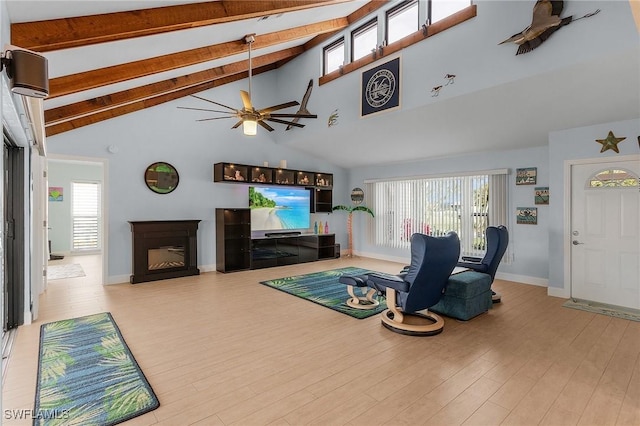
<point>466,204</point>
<point>85,215</point>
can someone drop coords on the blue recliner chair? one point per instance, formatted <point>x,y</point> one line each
<point>420,287</point>
<point>497,242</point>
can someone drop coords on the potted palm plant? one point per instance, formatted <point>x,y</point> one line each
<point>350,210</point>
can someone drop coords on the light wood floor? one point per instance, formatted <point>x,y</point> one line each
<point>224,350</point>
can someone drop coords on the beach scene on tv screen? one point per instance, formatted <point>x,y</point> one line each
<point>274,208</point>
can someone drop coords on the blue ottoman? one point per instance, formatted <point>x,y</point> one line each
<point>466,295</point>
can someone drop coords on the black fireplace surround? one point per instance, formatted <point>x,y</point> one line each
<point>164,249</point>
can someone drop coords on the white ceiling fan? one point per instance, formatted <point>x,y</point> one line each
<point>250,117</point>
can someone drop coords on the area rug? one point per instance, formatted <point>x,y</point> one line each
<point>324,289</point>
<point>603,309</point>
<point>88,376</point>
<point>69,270</point>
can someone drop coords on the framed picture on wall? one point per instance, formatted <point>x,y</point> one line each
<point>527,215</point>
<point>527,176</point>
<point>541,195</point>
<point>380,88</point>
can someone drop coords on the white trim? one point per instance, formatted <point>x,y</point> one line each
<point>558,292</point>
<point>106,279</point>
<point>207,268</point>
<point>117,279</point>
<point>524,279</point>
<point>403,260</point>
<point>566,231</point>
<point>441,175</point>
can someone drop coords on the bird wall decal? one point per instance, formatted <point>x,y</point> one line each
<point>546,20</point>
<point>303,105</point>
<point>436,91</point>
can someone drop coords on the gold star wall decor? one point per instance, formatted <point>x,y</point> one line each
<point>610,142</point>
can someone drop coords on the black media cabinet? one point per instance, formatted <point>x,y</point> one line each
<point>236,250</point>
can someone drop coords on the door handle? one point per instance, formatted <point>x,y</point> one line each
<point>576,242</point>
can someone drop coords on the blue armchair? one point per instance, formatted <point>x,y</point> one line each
<point>420,287</point>
<point>497,238</point>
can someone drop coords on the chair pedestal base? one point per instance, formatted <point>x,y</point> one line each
<point>416,324</point>
<point>366,301</point>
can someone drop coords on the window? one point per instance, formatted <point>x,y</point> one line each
<point>443,8</point>
<point>85,215</point>
<point>364,40</point>
<point>434,206</point>
<point>402,21</point>
<point>613,178</point>
<point>333,56</point>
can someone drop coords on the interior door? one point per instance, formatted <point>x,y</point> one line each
<point>605,233</point>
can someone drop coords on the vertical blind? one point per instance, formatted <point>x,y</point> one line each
<point>86,215</point>
<point>436,205</point>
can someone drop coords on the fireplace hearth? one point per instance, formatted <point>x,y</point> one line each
<point>164,249</point>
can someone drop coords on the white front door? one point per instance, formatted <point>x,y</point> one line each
<point>605,233</point>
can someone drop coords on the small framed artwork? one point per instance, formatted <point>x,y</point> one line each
<point>527,176</point>
<point>380,88</point>
<point>542,195</point>
<point>55,193</point>
<point>527,215</point>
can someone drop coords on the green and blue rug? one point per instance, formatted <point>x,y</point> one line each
<point>324,289</point>
<point>88,376</point>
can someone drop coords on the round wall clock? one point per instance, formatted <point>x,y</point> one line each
<point>161,178</point>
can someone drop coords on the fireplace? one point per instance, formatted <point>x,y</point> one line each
<point>164,249</point>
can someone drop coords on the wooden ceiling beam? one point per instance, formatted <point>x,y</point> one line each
<point>69,112</point>
<point>64,33</point>
<point>74,83</point>
<point>139,105</point>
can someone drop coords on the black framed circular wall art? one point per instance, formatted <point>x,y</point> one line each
<point>161,177</point>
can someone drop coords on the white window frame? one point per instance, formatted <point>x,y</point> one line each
<point>398,10</point>
<point>329,48</point>
<point>370,25</point>
<point>98,218</point>
<point>398,217</point>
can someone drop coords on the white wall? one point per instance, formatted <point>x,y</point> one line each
<point>573,144</point>
<point>471,51</point>
<point>165,133</point>
<point>61,174</point>
<point>528,243</point>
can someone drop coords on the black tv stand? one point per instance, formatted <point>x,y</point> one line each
<point>283,234</point>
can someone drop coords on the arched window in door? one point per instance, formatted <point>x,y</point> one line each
<point>613,178</point>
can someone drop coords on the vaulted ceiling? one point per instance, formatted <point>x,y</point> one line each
<point>127,58</point>
<point>109,58</point>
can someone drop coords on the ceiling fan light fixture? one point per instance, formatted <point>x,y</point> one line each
<point>250,127</point>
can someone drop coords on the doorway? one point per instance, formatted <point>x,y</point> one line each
<point>76,212</point>
<point>605,232</point>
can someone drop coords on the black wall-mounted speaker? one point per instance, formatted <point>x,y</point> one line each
<point>28,73</point>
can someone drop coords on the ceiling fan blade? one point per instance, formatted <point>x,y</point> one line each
<point>214,102</point>
<point>235,126</point>
<point>290,123</point>
<point>294,115</point>
<point>215,118</point>
<point>208,110</point>
<point>246,100</point>
<point>277,107</point>
<point>266,126</point>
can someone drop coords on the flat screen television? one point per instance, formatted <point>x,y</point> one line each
<point>279,208</point>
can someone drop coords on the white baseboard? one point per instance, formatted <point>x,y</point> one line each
<point>403,260</point>
<point>117,279</point>
<point>558,292</point>
<point>525,279</point>
<point>120,279</point>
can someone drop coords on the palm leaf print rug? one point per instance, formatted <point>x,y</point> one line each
<point>87,375</point>
<point>324,289</point>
